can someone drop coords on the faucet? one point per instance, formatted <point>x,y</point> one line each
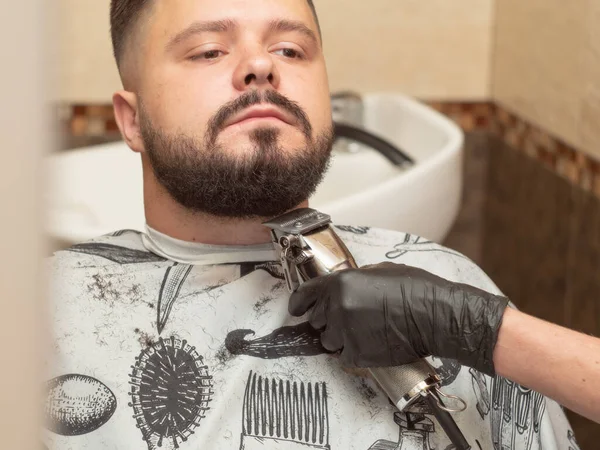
<point>347,108</point>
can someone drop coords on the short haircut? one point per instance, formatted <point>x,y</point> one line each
<point>124,15</point>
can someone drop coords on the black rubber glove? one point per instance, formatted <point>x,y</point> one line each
<point>390,314</point>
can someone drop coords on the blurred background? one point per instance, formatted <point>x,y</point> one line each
<point>520,81</point>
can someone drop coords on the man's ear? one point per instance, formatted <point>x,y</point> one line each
<point>125,105</point>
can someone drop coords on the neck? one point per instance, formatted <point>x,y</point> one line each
<point>167,216</point>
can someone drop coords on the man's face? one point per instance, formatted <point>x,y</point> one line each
<point>206,65</point>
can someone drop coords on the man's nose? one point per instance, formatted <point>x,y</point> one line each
<point>257,69</point>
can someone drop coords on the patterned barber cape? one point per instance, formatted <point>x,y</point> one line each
<point>199,352</point>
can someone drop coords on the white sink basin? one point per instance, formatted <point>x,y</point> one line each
<point>365,189</point>
<point>97,190</point>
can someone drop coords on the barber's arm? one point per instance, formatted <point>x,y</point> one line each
<point>555,361</point>
<point>390,314</point>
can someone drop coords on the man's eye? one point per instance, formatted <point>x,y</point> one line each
<point>211,54</point>
<point>289,53</point>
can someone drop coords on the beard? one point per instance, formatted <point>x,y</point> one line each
<point>267,181</point>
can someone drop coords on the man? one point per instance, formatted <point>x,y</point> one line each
<point>179,336</point>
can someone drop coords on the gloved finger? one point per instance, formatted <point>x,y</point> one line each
<point>306,296</point>
<point>332,339</point>
<point>318,315</point>
<point>382,265</point>
<point>349,359</point>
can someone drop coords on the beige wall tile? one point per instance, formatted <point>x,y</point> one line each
<point>594,28</point>
<point>435,49</point>
<point>590,114</point>
<point>590,121</point>
<point>84,69</point>
<point>546,66</point>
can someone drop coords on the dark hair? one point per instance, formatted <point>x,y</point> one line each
<point>124,14</point>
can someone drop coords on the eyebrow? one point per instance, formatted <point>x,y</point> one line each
<point>216,26</point>
<point>227,25</point>
<point>284,25</point>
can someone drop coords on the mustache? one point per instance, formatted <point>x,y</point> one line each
<point>256,97</point>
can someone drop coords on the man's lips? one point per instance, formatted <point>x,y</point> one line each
<point>257,113</point>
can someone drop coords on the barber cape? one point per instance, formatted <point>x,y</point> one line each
<point>165,344</point>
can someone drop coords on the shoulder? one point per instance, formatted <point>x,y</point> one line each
<point>119,248</point>
<point>98,281</point>
<point>375,245</point>
<point>100,268</point>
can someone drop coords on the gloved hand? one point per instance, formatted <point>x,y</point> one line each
<point>390,314</point>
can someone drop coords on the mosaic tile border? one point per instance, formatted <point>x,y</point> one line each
<point>553,153</point>
<point>577,167</point>
<point>95,121</point>
<point>87,120</point>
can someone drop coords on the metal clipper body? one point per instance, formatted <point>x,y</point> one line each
<point>308,247</point>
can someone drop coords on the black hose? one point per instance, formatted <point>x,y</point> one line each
<point>390,151</point>
<point>447,422</point>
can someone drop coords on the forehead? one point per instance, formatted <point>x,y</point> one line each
<point>171,16</point>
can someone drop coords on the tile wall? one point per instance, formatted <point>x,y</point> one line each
<point>546,66</point>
